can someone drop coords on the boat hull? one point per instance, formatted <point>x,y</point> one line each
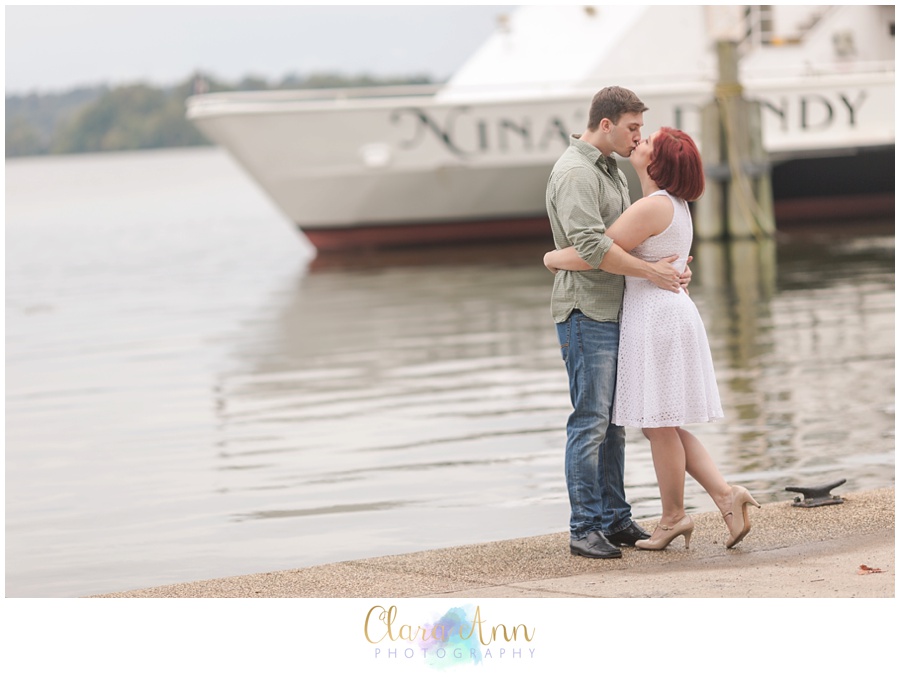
<point>392,236</point>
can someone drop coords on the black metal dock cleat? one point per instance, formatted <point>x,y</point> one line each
<point>819,495</point>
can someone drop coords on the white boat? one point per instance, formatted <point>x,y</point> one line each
<point>469,160</point>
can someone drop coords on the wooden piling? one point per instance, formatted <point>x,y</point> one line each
<point>737,203</point>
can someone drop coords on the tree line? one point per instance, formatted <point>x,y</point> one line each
<point>137,116</point>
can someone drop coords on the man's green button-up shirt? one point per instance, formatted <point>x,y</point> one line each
<point>586,193</point>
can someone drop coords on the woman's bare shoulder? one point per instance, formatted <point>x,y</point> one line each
<point>657,209</point>
<point>645,218</point>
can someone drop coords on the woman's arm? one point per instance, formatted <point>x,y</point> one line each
<point>644,218</point>
<point>650,216</point>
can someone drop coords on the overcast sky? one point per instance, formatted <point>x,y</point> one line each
<point>53,48</point>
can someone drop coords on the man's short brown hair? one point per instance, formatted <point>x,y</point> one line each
<point>610,103</point>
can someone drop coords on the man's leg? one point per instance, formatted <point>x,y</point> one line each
<point>616,510</point>
<point>590,350</point>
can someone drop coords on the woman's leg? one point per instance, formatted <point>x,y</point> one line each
<point>669,461</point>
<point>701,467</point>
<point>699,464</point>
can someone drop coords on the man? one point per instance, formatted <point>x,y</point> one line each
<point>586,193</point>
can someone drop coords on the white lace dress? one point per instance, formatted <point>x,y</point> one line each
<point>665,375</point>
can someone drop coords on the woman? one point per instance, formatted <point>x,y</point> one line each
<point>665,372</point>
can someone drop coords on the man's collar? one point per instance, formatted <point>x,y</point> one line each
<point>593,153</point>
<point>585,148</point>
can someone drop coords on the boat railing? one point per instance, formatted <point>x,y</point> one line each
<point>217,102</point>
<point>312,94</point>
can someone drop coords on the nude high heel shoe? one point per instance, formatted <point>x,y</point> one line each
<point>739,514</point>
<point>683,527</point>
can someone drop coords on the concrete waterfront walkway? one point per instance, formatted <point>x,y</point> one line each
<point>790,553</point>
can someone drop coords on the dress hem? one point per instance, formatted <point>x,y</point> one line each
<point>669,424</point>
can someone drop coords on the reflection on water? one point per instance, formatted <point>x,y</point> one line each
<point>440,386</point>
<point>804,353</point>
<point>186,398</point>
<point>415,405</point>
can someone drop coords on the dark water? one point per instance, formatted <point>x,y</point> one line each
<point>190,396</point>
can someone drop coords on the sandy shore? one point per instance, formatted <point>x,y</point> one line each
<point>790,553</point>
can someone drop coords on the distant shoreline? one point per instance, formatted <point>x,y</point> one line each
<point>139,115</point>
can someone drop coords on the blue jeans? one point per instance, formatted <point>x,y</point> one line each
<point>595,448</point>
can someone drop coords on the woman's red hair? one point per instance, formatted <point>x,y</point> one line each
<point>675,164</point>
